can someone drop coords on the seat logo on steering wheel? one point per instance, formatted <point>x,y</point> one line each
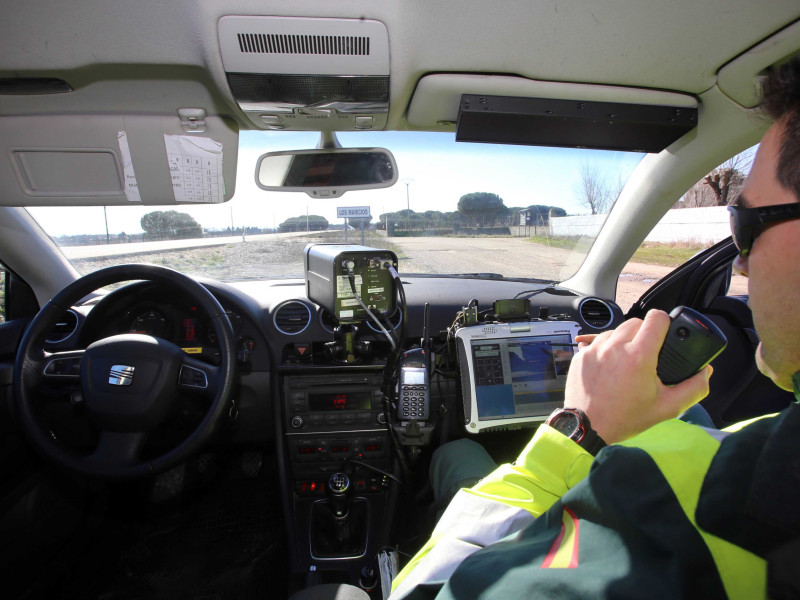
<point>120,375</point>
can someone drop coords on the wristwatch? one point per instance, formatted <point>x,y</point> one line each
<point>574,424</point>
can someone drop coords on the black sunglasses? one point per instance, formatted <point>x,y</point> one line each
<point>745,221</point>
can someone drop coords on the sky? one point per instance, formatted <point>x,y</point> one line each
<point>438,170</point>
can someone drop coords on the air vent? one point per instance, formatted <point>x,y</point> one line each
<point>301,46</point>
<point>65,327</point>
<point>596,313</point>
<point>335,45</point>
<point>292,318</point>
<point>395,320</point>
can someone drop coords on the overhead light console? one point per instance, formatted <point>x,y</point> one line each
<point>307,74</point>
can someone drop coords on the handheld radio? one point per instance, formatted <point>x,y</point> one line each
<point>692,342</point>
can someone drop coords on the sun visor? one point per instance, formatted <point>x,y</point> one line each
<point>437,98</point>
<point>739,79</point>
<point>307,74</point>
<point>117,160</point>
<point>572,123</point>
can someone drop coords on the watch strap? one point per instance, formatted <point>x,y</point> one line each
<point>583,435</point>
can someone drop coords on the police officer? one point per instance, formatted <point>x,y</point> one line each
<point>666,509</point>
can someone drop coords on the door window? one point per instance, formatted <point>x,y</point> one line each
<point>2,293</point>
<point>698,220</point>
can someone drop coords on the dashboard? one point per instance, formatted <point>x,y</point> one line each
<point>148,310</point>
<point>324,411</point>
<point>280,333</point>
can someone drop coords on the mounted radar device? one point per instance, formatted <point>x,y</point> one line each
<point>346,279</point>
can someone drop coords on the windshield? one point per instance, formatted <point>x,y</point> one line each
<point>516,211</point>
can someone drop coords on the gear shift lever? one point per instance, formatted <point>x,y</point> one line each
<point>339,493</point>
<point>339,526</point>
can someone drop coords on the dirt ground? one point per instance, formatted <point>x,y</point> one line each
<point>515,257</point>
<point>637,278</point>
<point>283,257</point>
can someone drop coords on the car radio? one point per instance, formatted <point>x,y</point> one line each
<point>332,402</point>
<point>330,419</point>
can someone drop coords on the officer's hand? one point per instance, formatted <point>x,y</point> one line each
<point>613,380</point>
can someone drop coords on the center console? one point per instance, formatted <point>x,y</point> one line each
<point>336,445</point>
<point>337,449</point>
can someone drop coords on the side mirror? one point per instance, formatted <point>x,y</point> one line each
<point>327,172</point>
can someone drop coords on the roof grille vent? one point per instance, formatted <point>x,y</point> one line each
<point>292,318</point>
<point>335,45</point>
<point>596,313</point>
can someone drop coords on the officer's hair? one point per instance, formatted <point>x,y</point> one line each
<point>780,93</point>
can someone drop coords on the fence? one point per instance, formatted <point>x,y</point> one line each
<point>706,225</point>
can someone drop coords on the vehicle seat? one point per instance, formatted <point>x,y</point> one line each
<point>331,591</point>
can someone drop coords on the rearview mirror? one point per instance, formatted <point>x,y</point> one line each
<point>328,172</point>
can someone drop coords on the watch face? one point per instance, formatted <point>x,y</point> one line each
<point>566,423</point>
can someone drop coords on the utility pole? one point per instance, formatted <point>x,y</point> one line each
<point>408,181</point>
<point>105,215</point>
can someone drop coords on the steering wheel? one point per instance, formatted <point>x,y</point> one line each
<point>129,382</point>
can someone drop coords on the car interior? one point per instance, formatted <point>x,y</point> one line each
<point>167,433</point>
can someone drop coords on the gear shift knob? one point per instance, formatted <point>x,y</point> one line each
<point>339,490</point>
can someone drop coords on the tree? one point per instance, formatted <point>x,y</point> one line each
<point>170,225</point>
<point>430,219</point>
<point>312,222</point>
<point>154,225</point>
<point>592,189</point>
<point>483,208</point>
<point>721,186</point>
<point>184,226</point>
<point>726,181</point>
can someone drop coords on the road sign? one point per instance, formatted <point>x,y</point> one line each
<point>352,212</point>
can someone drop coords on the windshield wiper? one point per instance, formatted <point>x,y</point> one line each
<point>482,276</point>
<point>478,275</point>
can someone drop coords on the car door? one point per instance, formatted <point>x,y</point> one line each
<point>738,391</point>
<point>17,307</point>
<point>40,509</point>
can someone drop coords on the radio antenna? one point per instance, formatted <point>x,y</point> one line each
<point>426,323</point>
